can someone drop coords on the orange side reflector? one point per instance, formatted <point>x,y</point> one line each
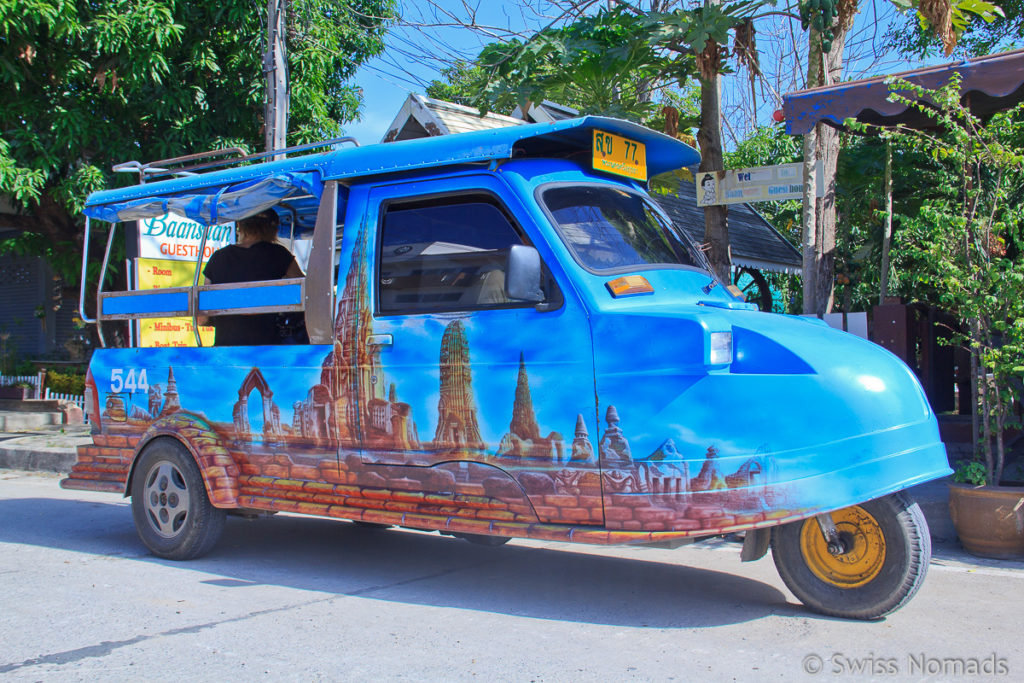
<point>628,285</point>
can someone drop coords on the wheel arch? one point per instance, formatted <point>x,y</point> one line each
<point>216,466</point>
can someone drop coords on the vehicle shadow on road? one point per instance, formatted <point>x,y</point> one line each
<point>644,588</point>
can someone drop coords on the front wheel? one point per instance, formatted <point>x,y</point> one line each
<point>173,515</point>
<point>884,555</point>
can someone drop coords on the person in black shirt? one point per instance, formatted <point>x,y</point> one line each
<point>256,256</point>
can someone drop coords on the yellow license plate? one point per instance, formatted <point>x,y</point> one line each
<point>618,155</point>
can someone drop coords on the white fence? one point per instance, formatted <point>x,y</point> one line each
<point>77,400</point>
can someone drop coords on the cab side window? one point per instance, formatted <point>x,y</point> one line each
<point>444,254</point>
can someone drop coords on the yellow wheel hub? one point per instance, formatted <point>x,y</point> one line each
<point>865,549</point>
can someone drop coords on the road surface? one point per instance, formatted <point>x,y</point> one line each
<point>293,598</point>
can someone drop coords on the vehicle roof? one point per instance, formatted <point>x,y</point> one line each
<point>557,139</point>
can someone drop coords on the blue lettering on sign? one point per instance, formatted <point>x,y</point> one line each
<point>157,227</point>
<point>743,177</point>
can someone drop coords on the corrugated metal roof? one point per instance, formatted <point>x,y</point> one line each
<point>754,242</point>
<point>460,119</point>
<point>989,84</point>
<point>422,117</point>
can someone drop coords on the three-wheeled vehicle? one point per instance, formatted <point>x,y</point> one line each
<point>507,339</point>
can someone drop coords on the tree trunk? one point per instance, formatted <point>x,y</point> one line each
<point>822,143</point>
<point>883,290</point>
<point>709,138</point>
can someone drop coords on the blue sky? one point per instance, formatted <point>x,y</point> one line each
<point>387,80</point>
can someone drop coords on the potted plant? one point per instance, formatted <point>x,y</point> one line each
<point>963,251</point>
<point>19,391</point>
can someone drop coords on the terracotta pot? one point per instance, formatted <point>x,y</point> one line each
<point>989,519</point>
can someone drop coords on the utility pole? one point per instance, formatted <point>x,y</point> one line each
<point>275,66</point>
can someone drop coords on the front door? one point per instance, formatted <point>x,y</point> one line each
<point>455,374</point>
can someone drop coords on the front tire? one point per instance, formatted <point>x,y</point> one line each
<point>172,513</point>
<point>888,548</point>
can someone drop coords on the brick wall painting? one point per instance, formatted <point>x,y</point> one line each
<point>353,446</point>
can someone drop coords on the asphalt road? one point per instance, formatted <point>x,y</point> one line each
<point>293,598</point>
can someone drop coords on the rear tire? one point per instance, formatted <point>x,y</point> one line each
<point>888,551</point>
<point>172,513</point>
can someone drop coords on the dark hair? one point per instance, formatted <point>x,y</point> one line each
<point>262,225</point>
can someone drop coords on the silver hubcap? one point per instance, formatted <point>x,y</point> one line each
<point>167,499</point>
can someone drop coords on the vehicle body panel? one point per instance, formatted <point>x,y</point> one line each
<point>594,418</point>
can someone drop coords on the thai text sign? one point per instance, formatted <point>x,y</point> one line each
<point>757,184</point>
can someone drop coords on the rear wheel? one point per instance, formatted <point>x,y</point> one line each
<point>883,556</point>
<point>173,515</point>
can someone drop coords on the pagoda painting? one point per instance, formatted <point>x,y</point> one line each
<point>352,445</point>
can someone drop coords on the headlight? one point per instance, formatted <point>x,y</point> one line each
<point>721,348</point>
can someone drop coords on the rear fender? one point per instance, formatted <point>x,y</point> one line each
<point>218,468</point>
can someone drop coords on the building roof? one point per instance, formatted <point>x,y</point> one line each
<point>545,112</point>
<point>753,240</point>
<point>989,84</point>
<point>425,117</point>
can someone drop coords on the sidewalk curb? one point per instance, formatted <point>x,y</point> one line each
<point>37,459</point>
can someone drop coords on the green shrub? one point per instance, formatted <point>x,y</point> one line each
<point>65,383</point>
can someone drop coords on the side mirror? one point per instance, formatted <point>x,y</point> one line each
<point>522,279</point>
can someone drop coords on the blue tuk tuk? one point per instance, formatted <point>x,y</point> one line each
<point>507,338</point>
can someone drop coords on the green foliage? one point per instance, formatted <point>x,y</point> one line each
<point>89,84</point>
<point>603,63</point>
<point>1001,27</point>
<point>65,383</point>
<point>962,246</point>
<point>766,146</point>
<point>459,84</point>
<point>970,472</point>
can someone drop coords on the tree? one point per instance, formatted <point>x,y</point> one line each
<point>965,245</point>
<point>828,22</point>
<point>458,83</point>
<point>615,59</point>
<point>89,84</point>
<point>915,38</point>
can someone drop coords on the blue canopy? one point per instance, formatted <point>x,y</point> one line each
<point>233,193</point>
<point>213,205</point>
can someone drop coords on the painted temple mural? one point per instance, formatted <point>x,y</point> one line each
<point>340,434</point>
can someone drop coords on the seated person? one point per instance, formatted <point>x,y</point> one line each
<point>256,256</point>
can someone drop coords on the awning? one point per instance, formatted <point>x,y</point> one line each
<point>989,84</point>
<point>219,204</point>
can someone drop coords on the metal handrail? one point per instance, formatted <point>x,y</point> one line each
<point>158,168</point>
<point>81,286</point>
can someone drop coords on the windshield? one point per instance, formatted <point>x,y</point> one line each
<point>610,229</point>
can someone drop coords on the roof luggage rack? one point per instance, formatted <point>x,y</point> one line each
<point>190,164</point>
